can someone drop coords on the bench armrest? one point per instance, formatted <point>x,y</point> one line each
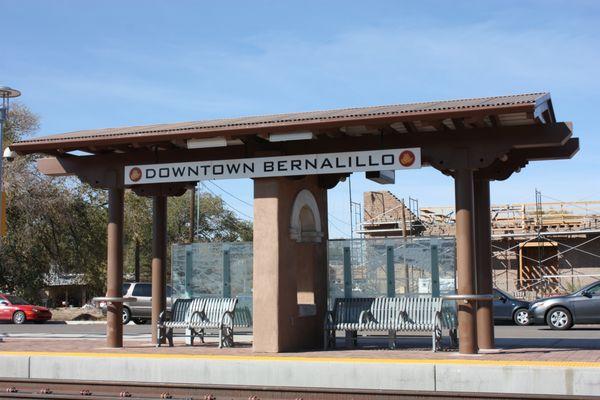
<point>225,314</point>
<point>403,315</point>
<point>162,318</point>
<point>328,318</point>
<point>437,319</point>
<point>200,314</point>
<point>365,316</point>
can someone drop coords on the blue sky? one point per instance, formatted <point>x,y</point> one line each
<point>84,65</point>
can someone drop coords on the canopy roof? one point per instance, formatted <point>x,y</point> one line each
<point>512,110</point>
<point>492,136</point>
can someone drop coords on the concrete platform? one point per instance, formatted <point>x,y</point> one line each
<point>531,370</point>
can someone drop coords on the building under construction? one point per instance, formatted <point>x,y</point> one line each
<point>538,248</point>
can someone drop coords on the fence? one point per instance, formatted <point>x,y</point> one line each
<point>357,268</point>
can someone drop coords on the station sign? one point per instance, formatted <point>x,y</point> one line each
<point>263,167</point>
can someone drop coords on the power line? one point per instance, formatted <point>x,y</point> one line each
<point>338,219</point>
<point>226,203</point>
<point>337,228</point>
<point>569,203</point>
<point>235,197</point>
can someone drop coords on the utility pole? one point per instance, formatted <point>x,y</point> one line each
<point>192,214</point>
<point>350,204</point>
<point>6,94</point>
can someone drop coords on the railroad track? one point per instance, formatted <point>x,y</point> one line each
<point>90,390</point>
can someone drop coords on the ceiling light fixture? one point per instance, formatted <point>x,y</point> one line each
<point>286,137</point>
<point>206,143</point>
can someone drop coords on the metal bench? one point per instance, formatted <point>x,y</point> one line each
<point>196,315</point>
<point>391,314</point>
<point>242,317</point>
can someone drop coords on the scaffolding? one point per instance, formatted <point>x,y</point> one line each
<point>531,241</point>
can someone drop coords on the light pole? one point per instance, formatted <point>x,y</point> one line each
<point>6,94</point>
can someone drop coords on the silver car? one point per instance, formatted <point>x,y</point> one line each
<point>561,312</point>
<point>139,311</point>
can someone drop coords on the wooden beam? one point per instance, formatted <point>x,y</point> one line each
<point>388,130</point>
<point>410,127</point>
<point>476,121</point>
<point>330,132</point>
<point>519,158</point>
<point>494,120</point>
<point>439,125</point>
<point>483,146</point>
<point>566,151</point>
<point>329,181</point>
<point>524,137</point>
<point>164,189</point>
<point>459,123</point>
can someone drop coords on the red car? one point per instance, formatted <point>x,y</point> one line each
<point>17,310</point>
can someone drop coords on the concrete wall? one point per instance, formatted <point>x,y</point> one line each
<point>423,375</point>
<point>386,209</point>
<point>281,262</point>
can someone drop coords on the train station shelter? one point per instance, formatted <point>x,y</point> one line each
<point>293,160</point>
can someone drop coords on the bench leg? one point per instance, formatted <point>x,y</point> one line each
<point>329,339</point>
<point>453,338</point>
<point>161,334</point>
<point>169,335</point>
<point>436,335</point>
<point>192,336</point>
<point>158,336</point>
<point>351,339</point>
<point>225,336</point>
<point>392,339</point>
<point>193,333</point>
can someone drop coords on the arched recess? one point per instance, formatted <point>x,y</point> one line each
<point>305,221</point>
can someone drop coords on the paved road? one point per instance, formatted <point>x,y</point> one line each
<point>581,336</point>
<point>53,327</point>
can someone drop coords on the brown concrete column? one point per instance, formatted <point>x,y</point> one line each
<point>290,274</point>
<point>465,260</point>
<point>114,268</point>
<point>159,264</point>
<point>483,234</point>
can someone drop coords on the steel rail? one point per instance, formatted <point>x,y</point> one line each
<point>90,390</point>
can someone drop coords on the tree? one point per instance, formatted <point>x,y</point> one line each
<point>217,224</point>
<point>59,224</point>
<point>138,234</point>
<point>20,122</point>
<point>54,224</point>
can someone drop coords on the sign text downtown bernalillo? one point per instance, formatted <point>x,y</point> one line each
<point>307,164</point>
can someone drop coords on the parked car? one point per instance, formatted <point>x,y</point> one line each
<point>507,308</point>
<point>139,311</point>
<point>561,312</point>
<point>17,310</point>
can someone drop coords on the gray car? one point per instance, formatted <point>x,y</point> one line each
<point>507,308</point>
<point>561,312</point>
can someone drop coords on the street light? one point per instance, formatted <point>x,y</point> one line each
<point>6,94</point>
